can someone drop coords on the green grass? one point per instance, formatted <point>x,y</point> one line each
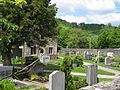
<point>84,77</point>
<point>105,73</point>
<point>79,69</point>
<point>83,70</point>
<point>102,64</point>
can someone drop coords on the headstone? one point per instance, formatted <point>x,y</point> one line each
<point>5,71</point>
<point>77,53</point>
<point>91,74</point>
<point>110,54</point>
<point>85,55</point>
<point>45,59</point>
<point>70,54</point>
<point>98,57</point>
<point>57,81</point>
<point>107,60</point>
<point>98,54</point>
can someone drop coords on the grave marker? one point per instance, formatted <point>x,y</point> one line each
<point>45,59</point>
<point>57,81</point>
<point>91,74</point>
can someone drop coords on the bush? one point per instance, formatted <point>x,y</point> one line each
<point>18,60</point>
<point>102,59</point>
<point>79,82</point>
<point>7,85</point>
<point>78,60</point>
<point>66,67</point>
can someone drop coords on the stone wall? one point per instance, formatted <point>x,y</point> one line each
<point>94,51</point>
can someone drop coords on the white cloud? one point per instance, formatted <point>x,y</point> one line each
<point>96,6</point>
<point>71,19</point>
<point>113,18</point>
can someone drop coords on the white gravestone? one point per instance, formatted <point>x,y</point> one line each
<point>91,74</point>
<point>107,60</point>
<point>85,55</point>
<point>45,59</point>
<point>57,80</point>
<point>98,57</point>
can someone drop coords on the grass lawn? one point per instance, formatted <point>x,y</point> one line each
<point>55,65</point>
<point>102,64</point>
<point>100,79</point>
<point>83,70</point>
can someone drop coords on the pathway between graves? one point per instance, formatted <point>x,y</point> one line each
<point>99,75</point>
<point>105,69</point>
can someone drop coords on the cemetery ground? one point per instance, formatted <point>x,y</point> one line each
<point>78,73</point>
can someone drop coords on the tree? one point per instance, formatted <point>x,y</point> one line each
<point>109,38</point>
<point>77,39</point>
<point>25,21</point>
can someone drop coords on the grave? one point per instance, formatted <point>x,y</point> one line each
<point>5,71</point>
<point>107,60</point>
<point>45,59</point>
<point>57,81</point>
<point>91,74</point>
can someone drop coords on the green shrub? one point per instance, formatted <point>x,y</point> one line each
<point>18,60</point>
<point>7,85</point>
<point>79,82</point>
<point>78,60</point>
<point>102,59</point>
<point>66,67</point>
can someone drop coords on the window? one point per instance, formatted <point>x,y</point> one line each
<point>33,50</point>
<point>50,50</point>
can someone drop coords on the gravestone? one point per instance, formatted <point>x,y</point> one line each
<point>85,55</point>
<point>107,60</point>
<point>70,54</point>
<point>91,74</point>
<point>5,71</point>
<point>57,81</point>
<point>45,59</point>
<point>77,53</point>
<point>98,57</point>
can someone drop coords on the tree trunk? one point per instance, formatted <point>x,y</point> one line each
<point>6,57</point>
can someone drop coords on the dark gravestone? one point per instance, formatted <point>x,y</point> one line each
<point>5,71</point>
<point>29,60</point>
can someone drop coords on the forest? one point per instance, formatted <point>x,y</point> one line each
<point>73,35</point>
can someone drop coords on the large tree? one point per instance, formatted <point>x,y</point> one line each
<point>109,37</point>
<point>25,21</point>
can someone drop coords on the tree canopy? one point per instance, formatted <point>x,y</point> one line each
<point>25,21</point>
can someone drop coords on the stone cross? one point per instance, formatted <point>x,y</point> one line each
<point>57,81</point>
<point>91,74</point>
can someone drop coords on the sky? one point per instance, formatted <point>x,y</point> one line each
<point>89,11</point>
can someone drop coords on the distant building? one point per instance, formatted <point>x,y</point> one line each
<point>25,50</point>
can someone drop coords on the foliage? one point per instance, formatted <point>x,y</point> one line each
<point>7,85</point>
<point>66,67</point>
<point>78,60</point>
<point>79,82</point>
<point>101,59</point>
<point>18,60</point>
<point>25,21</point>
<point>34,77</point>
<point>109,38</point>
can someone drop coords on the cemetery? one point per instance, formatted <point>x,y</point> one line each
<point>40,50</point>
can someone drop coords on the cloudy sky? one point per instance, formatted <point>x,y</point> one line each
<point>89,11</point>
